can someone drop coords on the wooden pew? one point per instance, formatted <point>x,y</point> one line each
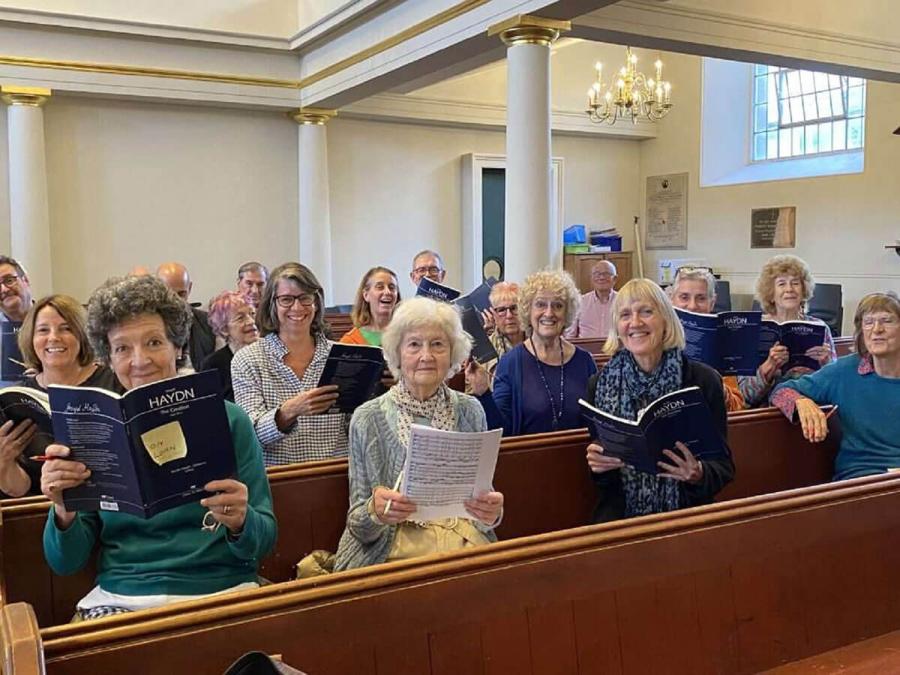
<point>338,324</point>
<point>720,588</point>
<point>843,345</point>
<point>544,479</point>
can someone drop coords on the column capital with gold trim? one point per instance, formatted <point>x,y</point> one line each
<point>525,29</point>
<point>34,97</point>
<point>313,116</point>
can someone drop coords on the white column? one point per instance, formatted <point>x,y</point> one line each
<point>528,154</point>
<point>314,212</point>
<point>29,216</point>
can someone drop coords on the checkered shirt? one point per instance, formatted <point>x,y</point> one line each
<point>262,382</point>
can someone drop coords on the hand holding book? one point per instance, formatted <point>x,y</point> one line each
<point>601,463</point>
<point>684,467</point>
<point>14,438</point>
<point>310,402</point>
<point>228,505</point>
<point>58,474</point>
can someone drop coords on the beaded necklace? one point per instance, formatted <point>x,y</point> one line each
<point>557,414</point>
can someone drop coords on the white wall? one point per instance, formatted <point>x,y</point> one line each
<point>843,222</point>
<point>137,183</point>
<point>396,189</point>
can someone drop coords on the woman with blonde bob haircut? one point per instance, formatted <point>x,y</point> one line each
<point>538,382</point>
<point>783,288</point>
<point>648,361</point>
<point>424,344</point>
<point>864,386</point>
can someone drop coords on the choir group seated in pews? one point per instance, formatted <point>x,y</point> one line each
<point>274,346</point>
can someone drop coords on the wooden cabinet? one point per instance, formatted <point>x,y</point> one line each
<point>579,266</point>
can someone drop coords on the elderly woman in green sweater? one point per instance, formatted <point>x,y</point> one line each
<point>864,386</point>
<point>423,345</point>
<point>139,327</point>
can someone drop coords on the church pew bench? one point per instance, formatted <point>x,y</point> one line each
<point>722,588</point>
<point>544,478</point>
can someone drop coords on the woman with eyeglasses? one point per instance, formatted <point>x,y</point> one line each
<point>864,386</point>
<point>138,326</point>
<point>276,378</point>
<point>537,383</point>
<point>647,361</point>
<point>784,286</point>
<point>376,299</point>
<point>231,318</point>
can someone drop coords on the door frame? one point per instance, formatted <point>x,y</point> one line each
<point>473,165</point>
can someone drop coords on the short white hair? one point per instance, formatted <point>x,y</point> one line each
<point>695,274</point>
<point>416,313</point>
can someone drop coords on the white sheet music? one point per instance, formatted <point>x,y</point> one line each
<point>444,468</point>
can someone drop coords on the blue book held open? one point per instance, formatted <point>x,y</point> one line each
<point>797,336</point>
<point>356,370</point>
<point>728,342</point>
<point>150,449</point>
<point>682,415</point>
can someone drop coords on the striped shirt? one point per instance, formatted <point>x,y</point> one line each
<point>262,382</point>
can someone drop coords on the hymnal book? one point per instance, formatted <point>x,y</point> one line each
<point>21,403</point>
<point>11,368</point>
<point>482,349</point>
<point>150,449</point>
<point>728,342</point>
<point>480,297</point>
<point>445,468</point>
<point>435,291</point>
<point>356,370</point>
<point>797,336</point>
<point>681,416</point>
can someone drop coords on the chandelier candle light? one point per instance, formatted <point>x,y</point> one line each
<point>633,95</point>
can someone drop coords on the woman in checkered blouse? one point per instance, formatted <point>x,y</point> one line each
<point>275,379</point>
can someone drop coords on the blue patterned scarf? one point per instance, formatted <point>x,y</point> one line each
<point>623,389</point>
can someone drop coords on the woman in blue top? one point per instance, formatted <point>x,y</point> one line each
<point>537,384</point>
<point>139,326</point>
<point>866,388</point>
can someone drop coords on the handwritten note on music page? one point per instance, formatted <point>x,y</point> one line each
<point>445,468</point>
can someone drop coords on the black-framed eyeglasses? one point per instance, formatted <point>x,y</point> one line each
<point>287,300</point>
<point>10,280</point>
<point>509,309</point>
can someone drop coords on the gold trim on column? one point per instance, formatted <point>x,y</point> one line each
<point>312,116</point>
<point>529,30</point>
<point>31,96</point>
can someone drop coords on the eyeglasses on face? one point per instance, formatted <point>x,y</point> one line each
<point>431,269</point>
<point>508,309</point>
<point>886,320</point>
<point>287,300</point>
<point>602,275</point>
<point>9,280</point>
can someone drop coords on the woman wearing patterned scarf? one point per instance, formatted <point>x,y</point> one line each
<point>424,345</point>
<point>646,344</point>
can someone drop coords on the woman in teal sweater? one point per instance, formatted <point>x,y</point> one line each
<point>139,326</point>
<point>866,388</point>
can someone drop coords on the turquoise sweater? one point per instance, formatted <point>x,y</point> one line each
<point>868,409</point>
<point>170,553</point>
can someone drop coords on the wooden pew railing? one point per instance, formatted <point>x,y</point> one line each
<point>544,479</point>
<point>732,587</point>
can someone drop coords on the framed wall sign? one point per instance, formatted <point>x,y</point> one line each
<point>667,211</point>
<point>773,227</point>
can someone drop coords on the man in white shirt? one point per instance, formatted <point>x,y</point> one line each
<point>595,313</point>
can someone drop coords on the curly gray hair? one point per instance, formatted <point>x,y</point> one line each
<point>416,313</point>
<point>122,298</point>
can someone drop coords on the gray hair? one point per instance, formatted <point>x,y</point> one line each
<point>416,313</point>
<point>20,270</point>
<point>611,264</point>
<point>252,266</point>
<point>122,298</point>
<point>694,274</point>
<point>428,251</point>
<point>556,282</point>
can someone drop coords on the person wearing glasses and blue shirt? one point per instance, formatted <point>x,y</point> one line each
<point>275,379</point>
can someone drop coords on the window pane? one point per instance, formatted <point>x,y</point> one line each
<point>797,109</point>
<point>823,102</point>
<point>759,146</point>
<point>837,102</point>
<point>785,112</point>
<point>793,78</point>
<point>855,82</point>
<point>855,99</point>
<point>809,107</point>
<point>821,81</point>
<point>839,135</point>
<point>812,139</point>
<point>761,89</point>
<point>807,82</point>
<point>854,133</point>
<point>797,141</point>
<point>760,69</point>
<point>772,145</point>
<point>760,122</point>
<point>834,81</point>
<point>784,143</point>
<point>825,137</point>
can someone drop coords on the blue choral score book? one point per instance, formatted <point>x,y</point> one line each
<point>356,370</point>
<point>682,415</point>
<point>150,449</point>
<point>797,336</point>
<point>482,349</point>
<point>11,367</point>
<point>728,342</point>
<point>435,291</point>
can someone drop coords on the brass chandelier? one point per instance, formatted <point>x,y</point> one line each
<point>632,96</point>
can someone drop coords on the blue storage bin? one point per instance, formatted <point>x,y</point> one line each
<point>577,234</point>
<point>614,243</point>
